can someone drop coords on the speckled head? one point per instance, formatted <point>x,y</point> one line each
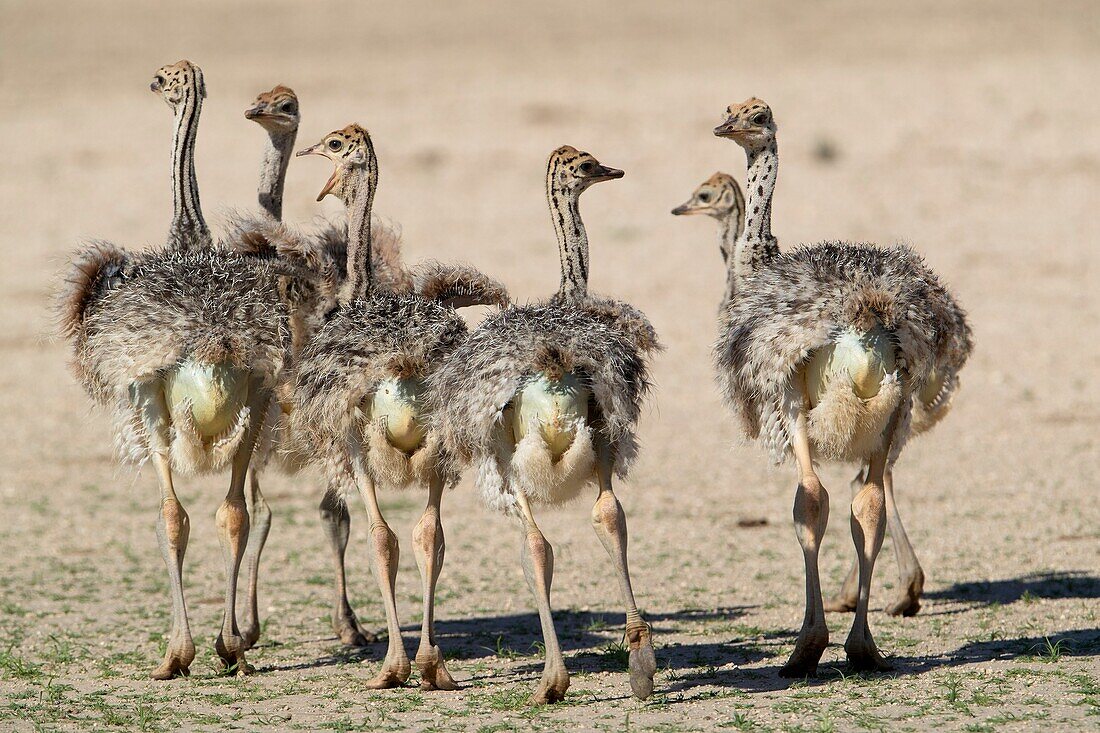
<point>719,196</point>
<point>348,149</point>
<point>749,124</point>
<point>177,82</point>
<point>275,111</point>
<point>574,170</point>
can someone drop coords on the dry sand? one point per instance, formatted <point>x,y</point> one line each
<point>969,130</point>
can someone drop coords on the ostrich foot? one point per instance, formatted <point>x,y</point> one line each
<point>433,672</point>
<point>863,655</point>
<point>170,669</point>
<point>393,674</point>
<point>231,651</point>
<point>347,628</point>
<point>177,662</point>
<point>807,653</point>
<point>552,686</point>
<point>908,600</point>
<point>643,663</point>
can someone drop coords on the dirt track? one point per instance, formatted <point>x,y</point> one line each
<point>969,131</point>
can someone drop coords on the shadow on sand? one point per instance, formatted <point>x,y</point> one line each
<point>1066,584</point>
<point>594,639</point>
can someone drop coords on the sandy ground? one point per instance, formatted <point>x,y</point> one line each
<point>969,130</point>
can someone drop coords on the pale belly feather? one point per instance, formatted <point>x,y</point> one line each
<point>554,407</point>
<point>214,393</point>
<point>864,358</point>
<point>397,404</point>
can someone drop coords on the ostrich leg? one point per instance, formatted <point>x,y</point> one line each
<point>395,668</point>
<point>868,528</point>
<point>811,518</point>
<point>233,531</point>
<point>609,521</point>
<point>911,576</point>
<point>429,547</point>
<point>259,524</point>
<point>336,522</point>
<point>173,528</point>
<point>538,568</point>
<point>845,600</point>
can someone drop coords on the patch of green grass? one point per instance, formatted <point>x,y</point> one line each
<point>1051,652</point>
<point>616,655</point>
<point>507,698</point>
<point>739,721</point>
<point>503,652</point>
<point>15,666</point>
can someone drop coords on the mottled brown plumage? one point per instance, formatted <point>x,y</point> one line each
<point>185,345</point>
<point>802,299</point>
<point>359,403</point>
<point>608,342</point>
<point>544,400</point>
<point>889,323</point>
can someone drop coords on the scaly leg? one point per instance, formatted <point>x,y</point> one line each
<point>868,529</point>
<point>845,600</point>
<point>911,576</point>
<point>911,581</point>
<point>429,547</point>
<point>811,518</point>
<point>609,521</point>
<point>538,569</point>
<point>336,522</point>
<point>173,529</point>
<point>259,524</point>
<point>233,528</point>
<point>396,668</point>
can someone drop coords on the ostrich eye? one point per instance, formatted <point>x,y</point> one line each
<point>587,166</point>
<point>159,79</point>
<point>335,145</point>
<point>288,107</point>
<point>704,197</point>
<point>760,118</point>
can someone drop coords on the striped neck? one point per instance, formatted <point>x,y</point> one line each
<point>273,171</point>
<point>756,244</point>
<point>572,239</point>
<point>360,183</point>
<point>189,230</point>
<point>729,230</point>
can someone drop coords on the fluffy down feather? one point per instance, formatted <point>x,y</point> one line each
<point>607,342</point>
<point>359,345</point>
<point>141,314</point>
<point>801,300</point>
<point>387,266</point>
<point>458,286</point>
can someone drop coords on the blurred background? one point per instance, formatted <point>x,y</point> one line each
<point>966,129</point>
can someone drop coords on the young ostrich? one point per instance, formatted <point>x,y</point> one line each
<point>360,401</point>
<point>278,112</point>
<point>264,236</point>
<point>185,345</point>
<point>544,399</point>
<point>720,197</point>
<point>820,352</point>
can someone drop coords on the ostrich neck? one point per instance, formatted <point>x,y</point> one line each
<point>572,241</point>
<point>756,243</point>
<point>189,229</point>
<point>273,171</point>
<point>729,230</point>
<point>359,201</point>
